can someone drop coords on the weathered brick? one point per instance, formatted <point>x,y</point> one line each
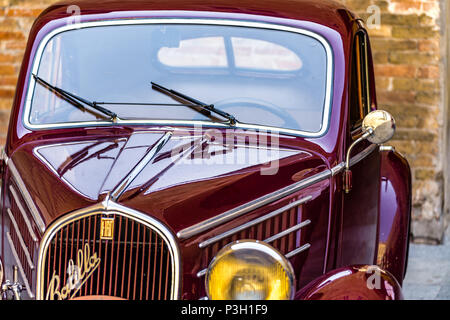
<point>7,70</point>
<point>5,104</point>
<point>6,93</point>
<point>417,135</point>
<point>425,174</point>
<point>356,5</point>
<point>395,98</point>
<point>8,81</point>
<point>416,84</point>
<point>431,98</point>
<point>429,72</point>
<point>380,44</point>
<point>404,147</point>
<point>405,6</point>
<point>414,149</point>
<point>11,35</point>
<point>422,160</point>
<point>411,116</point>
<point>426,148</point>
<point>413,58</point>
<point>383,83</point>
<point>9,24</point>
<point>8,58</point>
<point>380,57</point>
<point>426,20</point>
<point>15,45</point>
<point>382,31</point>
<point>429,45</point>
<point>24,12</point>
<point>406,71</point>
<point>428,6</point>
<point>413,32</point>
<point>400,19</point>
<point>4,116</point>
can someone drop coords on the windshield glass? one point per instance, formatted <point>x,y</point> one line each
<point>261,76</point>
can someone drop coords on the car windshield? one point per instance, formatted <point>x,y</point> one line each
<point>260,76</point>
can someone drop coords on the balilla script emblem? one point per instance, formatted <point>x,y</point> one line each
<point>77,275</point>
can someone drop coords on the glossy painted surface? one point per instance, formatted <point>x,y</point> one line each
<point>395,214</point>
<point>359,282</point>
<point>360,213</point>
<point>69,169</point>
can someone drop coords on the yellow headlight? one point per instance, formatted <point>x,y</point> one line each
<point>250,270</point>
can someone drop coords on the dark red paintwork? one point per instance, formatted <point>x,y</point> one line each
<point>181,198</point>
<point>356,282</point>
<point>395,199</point>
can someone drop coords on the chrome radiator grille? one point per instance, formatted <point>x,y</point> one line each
<point>133,262</point>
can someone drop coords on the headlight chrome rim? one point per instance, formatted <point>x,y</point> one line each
<point>259,246</point>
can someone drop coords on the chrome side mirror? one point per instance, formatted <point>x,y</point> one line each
<point>378,127</point>
<point>382,125</point>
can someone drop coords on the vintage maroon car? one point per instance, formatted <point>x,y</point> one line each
<point>201,149</point>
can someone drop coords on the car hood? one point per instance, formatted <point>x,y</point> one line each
<point>191,178</point>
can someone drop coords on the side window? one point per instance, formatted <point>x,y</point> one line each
<point>359,90</point>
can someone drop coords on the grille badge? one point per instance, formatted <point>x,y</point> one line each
<point>107,228</point>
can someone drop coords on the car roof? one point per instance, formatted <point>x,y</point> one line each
<point>326,12</point>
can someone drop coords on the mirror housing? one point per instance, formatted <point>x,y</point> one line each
<point>382,124</point>
<point>378,127</point>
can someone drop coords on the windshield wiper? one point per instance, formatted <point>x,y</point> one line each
<point>208,107</point>
<point>76,100</point>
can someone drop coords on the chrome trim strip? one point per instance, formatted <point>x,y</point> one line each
<point>337,168</point>
<point>26,196</point>
<point>224,22</point>
<point>253,222</point>
<point>19,235</point>
<point>151,153</point>
<point>202,273</point>
<point>297,251</point>
<point>355,159</point>
<point>252,205</point>
<point>288,231</point>
<point>22,211</point>
<point>106,207</point>
<point>360,156</point>
<point>363,137</point>
<point>19,265</point>
<point>387,148</point>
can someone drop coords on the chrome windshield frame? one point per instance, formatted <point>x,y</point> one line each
<point>164,122</point>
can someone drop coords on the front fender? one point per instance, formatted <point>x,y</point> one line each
<point>395,213</point>
<point>358,282</point>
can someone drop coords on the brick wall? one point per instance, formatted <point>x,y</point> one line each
<point>16,18</point>
<point>409,51</point>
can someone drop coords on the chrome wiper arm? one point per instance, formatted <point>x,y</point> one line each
<point>208,107</point>
<point>74,99</point>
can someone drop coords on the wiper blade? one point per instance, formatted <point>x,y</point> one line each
<point>76,100</point>
<point>208,107</point>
